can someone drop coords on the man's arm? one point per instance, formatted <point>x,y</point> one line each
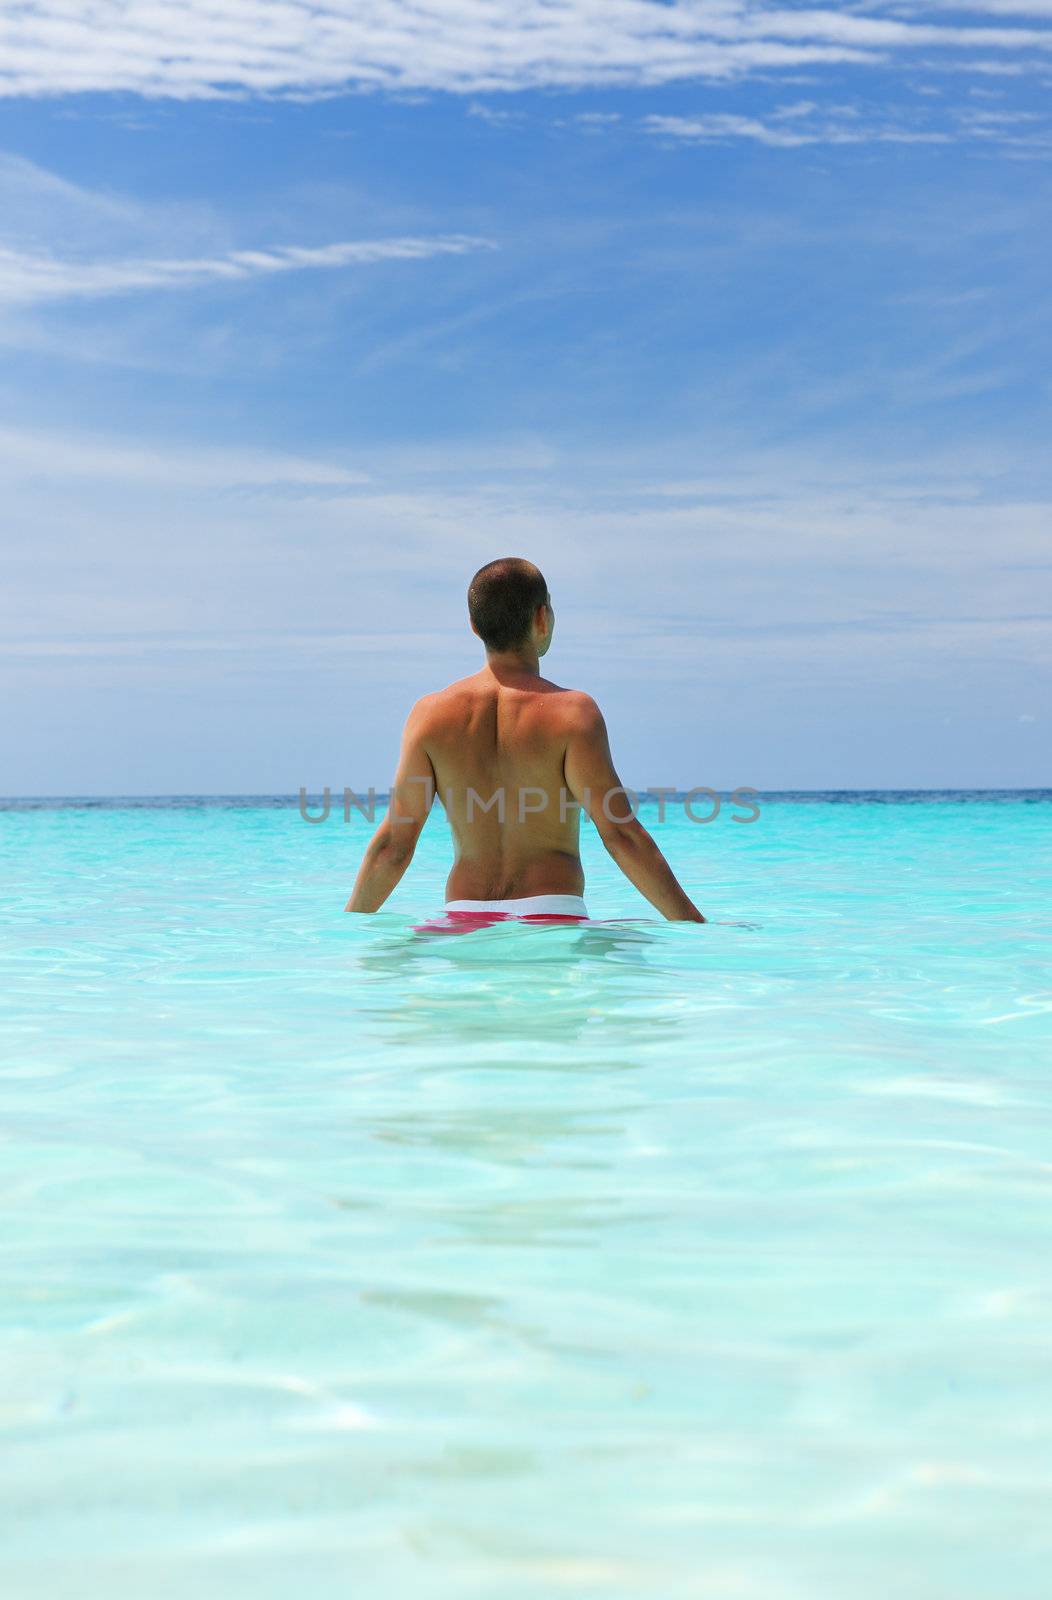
<point>591,778</point>
<point>391,847</point>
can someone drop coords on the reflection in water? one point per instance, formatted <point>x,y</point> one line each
<point>514,984</point>
<point>508,1094</point>
<point>516,1048</point>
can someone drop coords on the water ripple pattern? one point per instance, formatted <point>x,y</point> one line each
<point>620,1260</point>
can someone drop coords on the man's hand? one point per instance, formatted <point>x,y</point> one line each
<point>391,847</point>
<point>595,785</point>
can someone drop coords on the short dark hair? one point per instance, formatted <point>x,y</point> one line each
<point>502,598</point>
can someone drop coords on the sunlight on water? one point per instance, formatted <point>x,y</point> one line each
<point>616,1260</point>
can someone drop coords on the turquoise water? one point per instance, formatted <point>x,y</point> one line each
<point>631,1260</point>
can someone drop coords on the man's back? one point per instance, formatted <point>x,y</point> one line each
<point>497,743</point>
<point>513,757</point>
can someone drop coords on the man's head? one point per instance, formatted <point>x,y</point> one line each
<point>509,606</point>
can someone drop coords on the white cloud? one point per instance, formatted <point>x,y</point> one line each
<point>28,457</point>
<point>497,117</point>
<point>798,108</point>
<point>184,635</point>
<point>997,8</point>
<point>223,48</point>
<point>26,277</point>
<point>720,127</point>
<point>806,122</point>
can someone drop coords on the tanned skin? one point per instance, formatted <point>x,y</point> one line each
<point>507,728</point>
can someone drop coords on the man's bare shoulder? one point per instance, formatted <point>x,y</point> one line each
<point>432,709</point>
<point>580,711</point>
<point>571,710</point>
<point>462,688</point>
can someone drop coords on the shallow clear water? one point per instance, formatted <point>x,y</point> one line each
<point>631,1260</point>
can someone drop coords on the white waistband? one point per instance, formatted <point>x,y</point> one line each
<point>531,905</point>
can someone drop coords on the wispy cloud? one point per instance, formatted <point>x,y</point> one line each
<point>29,457</point>
<point>226,48</point>
<point>25,277</point>
<point>804,123</point>
<point>994,8</point>
<point>178,637</point>
<point>496,116</point>
<point>719,128</point>
<point>757,529</point>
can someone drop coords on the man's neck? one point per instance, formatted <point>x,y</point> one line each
<point>522,663</point>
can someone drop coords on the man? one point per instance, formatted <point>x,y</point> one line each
<point>514,759</point>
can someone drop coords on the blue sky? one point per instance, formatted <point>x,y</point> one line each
<point>734,318</point>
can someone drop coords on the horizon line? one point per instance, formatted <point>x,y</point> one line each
<point>292,796</point>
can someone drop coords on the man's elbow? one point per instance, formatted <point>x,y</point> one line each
<point>398,846</point>
<point>624,839</point>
